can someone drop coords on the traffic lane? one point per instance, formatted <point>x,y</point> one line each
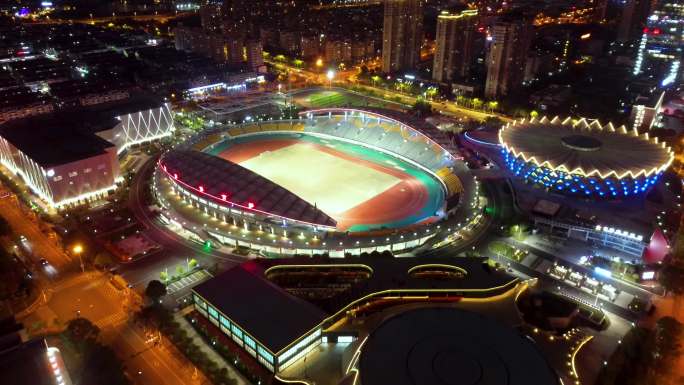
<point>146,363</point>
<point>39,245</point>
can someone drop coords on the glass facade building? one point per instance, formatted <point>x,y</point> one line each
<point>273,361</point>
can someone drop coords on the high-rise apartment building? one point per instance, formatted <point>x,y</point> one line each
<point>455,45</point>
<point>402,34</point>
<point>633,14</point>
<point>660,50</point>
<point>255,58</point>
<point>511,40</point>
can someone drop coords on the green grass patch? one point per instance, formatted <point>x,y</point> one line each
<point>505,250</point>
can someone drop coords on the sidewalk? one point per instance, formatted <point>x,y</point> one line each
<point>211,353</point>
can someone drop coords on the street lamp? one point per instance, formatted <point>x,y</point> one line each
<point>330,75</point>
<point>78,249</point>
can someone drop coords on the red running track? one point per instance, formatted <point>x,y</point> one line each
<point>403,199</point>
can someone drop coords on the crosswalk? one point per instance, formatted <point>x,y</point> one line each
<point>191,280</point>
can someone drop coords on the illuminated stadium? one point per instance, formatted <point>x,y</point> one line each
<point>580,158</point>
<point>385,179</point>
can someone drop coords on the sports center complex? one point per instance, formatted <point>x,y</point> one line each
<point>315,304</point>
<point>336,180</point>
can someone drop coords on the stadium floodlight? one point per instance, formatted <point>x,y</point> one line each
<point>330,75</point>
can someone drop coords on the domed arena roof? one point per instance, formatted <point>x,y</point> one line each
<point>448,346</point>
<point>586,148</point>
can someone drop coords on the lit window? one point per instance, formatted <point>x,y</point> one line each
<point>249,342</point>
<point>237,332</point>
<point>87,170</point>
<point>73,174</point>
<point>57,178</point>
<point>212,312</point>
<point>264,353</point>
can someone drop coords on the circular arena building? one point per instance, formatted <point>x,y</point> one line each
<point>576,157</point>
<point>448,346</point>
<point>335,180</point>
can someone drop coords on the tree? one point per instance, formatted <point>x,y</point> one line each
<point>477,103</point>
<point>5,228</point>
<point>672,278</point>
<point>155,290</point>
<point>422,107</point>
<point>81,331</point>
<point>493,123</point>
<point>667,345</point>
<point>103,258</point>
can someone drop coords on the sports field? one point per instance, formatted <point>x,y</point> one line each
<point>337,98</point>
<point>361,188</point>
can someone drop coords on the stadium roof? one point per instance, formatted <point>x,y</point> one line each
<point>589,149</point>
<point>217,178</point>
<point>417,124</point>
<point>264,310</point>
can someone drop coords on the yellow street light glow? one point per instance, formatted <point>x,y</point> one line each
<point>319,62</point>
<point>77,249</point>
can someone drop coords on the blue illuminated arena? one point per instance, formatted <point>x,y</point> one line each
<point>576,157</point>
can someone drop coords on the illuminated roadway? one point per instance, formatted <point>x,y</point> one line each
<point>346,78</point>
<point>24,222</point>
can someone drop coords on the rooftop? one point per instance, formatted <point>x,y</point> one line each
<point>451,346</point>
<point>235,292</point>
<point>581,147</point>
<point>56,139</point>
<point>264,310</point>
<point>26,364</point>
<point>68,136</point>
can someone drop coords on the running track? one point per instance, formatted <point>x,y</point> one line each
<point>404,199</point>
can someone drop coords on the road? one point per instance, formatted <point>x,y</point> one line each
<point>38,243</point>
<point>149,361</point>
<point>91,295</point>
<point>343,79</point>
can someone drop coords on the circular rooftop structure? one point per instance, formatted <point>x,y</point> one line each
<point>447,346</point>
<point>579,157</point>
